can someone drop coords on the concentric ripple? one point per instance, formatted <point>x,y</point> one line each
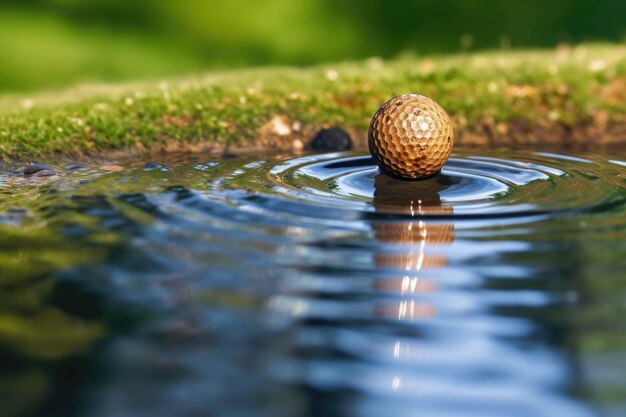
<point>474,186</point>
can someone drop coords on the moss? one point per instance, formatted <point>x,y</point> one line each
<point>570,93</point>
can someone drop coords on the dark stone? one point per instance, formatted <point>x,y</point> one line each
<point>34,168</point>
<point>334,139</point>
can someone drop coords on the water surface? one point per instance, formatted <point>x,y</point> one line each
<point>314,286</point>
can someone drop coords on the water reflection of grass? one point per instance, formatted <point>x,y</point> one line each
<point>570,96</point>
<point>29,326</point>
<point>40,340</point>
<point>36,337</point>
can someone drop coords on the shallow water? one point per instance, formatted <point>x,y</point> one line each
<point>314,286</point>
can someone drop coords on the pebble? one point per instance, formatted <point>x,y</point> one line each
<point>334,139</point>
<point>35,168</point>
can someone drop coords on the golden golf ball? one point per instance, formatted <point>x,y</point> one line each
<point>410,137</point>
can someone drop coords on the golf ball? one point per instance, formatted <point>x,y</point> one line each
<point>410,137</point>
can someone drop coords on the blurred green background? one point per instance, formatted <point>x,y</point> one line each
<point>50,43</point>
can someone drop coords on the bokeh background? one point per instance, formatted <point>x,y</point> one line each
<point>52,43</point>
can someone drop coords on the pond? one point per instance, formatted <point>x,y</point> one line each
<point>312,285</point>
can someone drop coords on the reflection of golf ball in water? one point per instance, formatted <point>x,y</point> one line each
<point>410,137</point>
<point>413,257</point>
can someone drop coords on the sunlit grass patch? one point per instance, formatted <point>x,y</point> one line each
<point>569,95</point>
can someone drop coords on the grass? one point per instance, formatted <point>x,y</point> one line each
<point>568,96</point>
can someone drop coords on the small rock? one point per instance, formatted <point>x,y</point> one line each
<point>112,168</point>
<point>34,168</point>
<point>334,139</point>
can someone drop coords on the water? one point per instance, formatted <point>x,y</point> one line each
<point>314,286</point>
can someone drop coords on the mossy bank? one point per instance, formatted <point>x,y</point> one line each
<point>570,96</point>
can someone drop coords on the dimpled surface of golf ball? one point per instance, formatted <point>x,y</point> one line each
<point>410,137</point>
